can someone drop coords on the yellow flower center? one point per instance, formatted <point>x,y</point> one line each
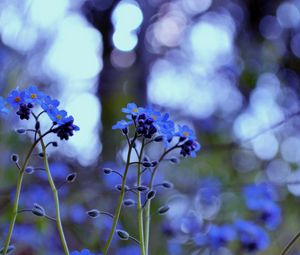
<point>135,110</point>
<point>154,117</point>
<point>17,99</point>
<point>186,134</point>
<point>33,96</point>
<point>58,117</point>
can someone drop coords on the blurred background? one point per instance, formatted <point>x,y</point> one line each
<point>229,69</point>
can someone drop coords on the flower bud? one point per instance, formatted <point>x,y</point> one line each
<point>15,158</point>
<point>123,235</point>
<point>129,202</point>
<point>142,188</point>
<point>151,194</point>
<point>38,210</point>
<point>167,185</point>
<point>29,170</point>
<point>107,170</point>
<point>71,177</point>
<point>21,131</point>
<point>94,213</point>
<point>37,125</point>
<point>147,164</point>
<point>174,160</point>
<point>158,138</point>
<point>162,210</point>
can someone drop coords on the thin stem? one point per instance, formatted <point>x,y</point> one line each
<point>148,205</point>
<point>17,196</point>
<point>290,244</point>
<point>56,199</point>
<point>120,199</point>
<point>139,203</point>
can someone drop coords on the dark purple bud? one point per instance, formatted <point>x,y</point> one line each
<point>29,170</point>
<point>15,158</point>
<point>167,185</point>
<point>37,125</point>
<point>158,138</point>
<point>54,144</point>
<point>41,154</point>
<point>122,234</point>
<point>147,164</point>
<point>129,202</point>
<point>174,160</point>
<point>119,187</point>
<point>142,188</point>
<point>21,131</point>
<point>151,194</point>
<point>125,131</point>
<point>30,105</point>
<point>146,158</point>
<point>107,170</point>
<point>154,163</point>
<point>38,210</point>
<point>94,213</point>
<point>162,210</point>
<point>71,177</point>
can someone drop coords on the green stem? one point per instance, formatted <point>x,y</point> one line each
<point>148,205</point>
<point>139,203</point>
<point>120,200</point>
<point>56,199</point>
<point>17,197</point>
<point>290,244</point>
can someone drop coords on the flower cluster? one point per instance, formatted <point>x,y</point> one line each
<point>151,124</point>
<point>24,101</point>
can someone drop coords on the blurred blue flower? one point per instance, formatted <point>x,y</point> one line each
<point>219,236</point>
<point>260,198</point>
<point>3,109</point>
<point>209,188</point>
<point>252,237</point>
<point>129,250</point>
<point>122,124</point>
<point>270,214</point>
<point>83,252</point>
<point>257,194</point>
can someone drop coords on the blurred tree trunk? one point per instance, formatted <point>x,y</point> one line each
<point>117,87</point>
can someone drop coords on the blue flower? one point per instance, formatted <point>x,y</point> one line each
<point>58,116</point>
<point>122,124</point>
<point>185,133</point>
<point>129,250</point>
<point>252,237</point>
<point>270,215</point>
<point>49,105</point>
<point>15,98</point>
<point>166,128</point>
<point>132,109</point>
<point>3,109</point>
<point>219,236</point>
<point>33,95</point>
<point>83,252</point>
<point>256,195</point>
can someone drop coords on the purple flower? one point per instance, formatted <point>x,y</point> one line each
<point>252,237</point>
<point>67,129</point>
